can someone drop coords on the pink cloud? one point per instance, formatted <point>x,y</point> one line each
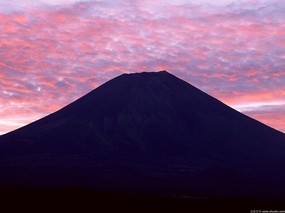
<point>235,53</point>
<point>272,115</point>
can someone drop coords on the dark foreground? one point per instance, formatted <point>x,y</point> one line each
<point>81,199</point>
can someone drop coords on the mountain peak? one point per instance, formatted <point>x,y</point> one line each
<point>147,73</point>
<point>148,125</point>
<point>150,72</point>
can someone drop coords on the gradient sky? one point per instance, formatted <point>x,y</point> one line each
<point>54,51</point>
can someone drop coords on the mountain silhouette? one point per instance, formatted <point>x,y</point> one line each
<point>148,133</point>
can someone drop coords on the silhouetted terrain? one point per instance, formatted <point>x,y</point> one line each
<point>146,135</point>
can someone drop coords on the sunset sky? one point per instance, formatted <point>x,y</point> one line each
<point>54,51</point>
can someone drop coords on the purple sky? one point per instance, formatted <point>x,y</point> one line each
<point>54,51</point>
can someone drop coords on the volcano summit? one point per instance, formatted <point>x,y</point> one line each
<point>148,134</point>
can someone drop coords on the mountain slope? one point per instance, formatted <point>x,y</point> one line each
<point>149,133</point>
